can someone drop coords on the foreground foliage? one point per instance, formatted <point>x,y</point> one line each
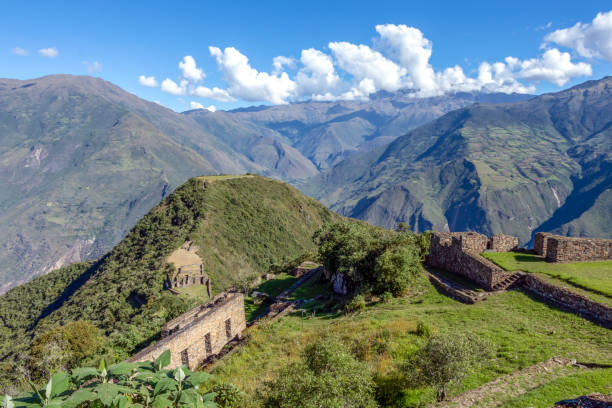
<point>145,384</point>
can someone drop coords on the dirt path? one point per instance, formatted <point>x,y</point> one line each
<point>493,394</point>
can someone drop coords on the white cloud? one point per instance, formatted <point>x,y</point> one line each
<point>20,51</point>
<point>147,81</point>
<point>554,66</point>
<point>247,83</point>
<point>50,52</point>
<point>211,108</point>
<point>318,78</point>
<point>412,50</point>
<point>214,93</point>
<point>171,87</point>
<point>196,105</point>
<point>189,69</point>
<point>589,40</point>
<point>280,62</point>
<point>93,67</point>
<point>362,62</point>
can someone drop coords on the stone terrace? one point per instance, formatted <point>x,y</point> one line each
<point>557,248</point>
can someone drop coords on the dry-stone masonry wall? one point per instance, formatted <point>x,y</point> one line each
<point>503,243</point>
<point>199,333</point>
<point>557,248</point>
<point>459,252</point>
<point>567,298</point>
<point>566,249</point>
<point>540,242</point>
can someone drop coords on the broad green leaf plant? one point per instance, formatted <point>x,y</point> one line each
<point>145,384</point>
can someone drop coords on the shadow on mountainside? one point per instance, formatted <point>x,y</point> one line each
<point>580,199</point>
<point>67,293</point>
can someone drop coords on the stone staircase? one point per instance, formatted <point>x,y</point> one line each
<point>509,282</point>
<point>456,290</point>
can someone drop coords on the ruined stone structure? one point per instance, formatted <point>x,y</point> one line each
<point>567,298</point>
<point>189,268</point>
<point>459,252</point>
<point>557,248</point>
<point>502,243</point>
<point>200,333</point>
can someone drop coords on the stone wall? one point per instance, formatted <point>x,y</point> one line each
<point>503,243</point>
<point>566,249</point>
<point>540,242</point>
<point>199,333</point>
<point>459,252</point>
<point>567,298</point>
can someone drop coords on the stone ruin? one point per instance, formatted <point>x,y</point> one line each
<point>189,268</point>
<point>503,243</point>
<point>459,253</point>
<point>200,333</point>
<point>557,248</point>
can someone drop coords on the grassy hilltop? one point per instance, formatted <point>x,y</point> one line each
<point>243,225</point>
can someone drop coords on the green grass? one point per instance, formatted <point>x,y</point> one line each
<point>275,287</point>
<point>594,277</point>
<point>196,291</point>
<point>569,387</point>
<point>522,332</point>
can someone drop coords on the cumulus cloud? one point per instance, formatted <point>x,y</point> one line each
<point>147,81</point>
<point>280,62</point>
<point>398,58</point>
<point>214,93</point>
<point>318,78</point>
<point>410,47</point>
<point>93,67</point>
<point>20,51</point>
<point>362,62</point>
<point>189,69</point>
<point>171,87</point>
<point>195,105</point>
<point>50,52</point>
<point>249,84</point>
<point>589,40</point>
<point>554,66</point>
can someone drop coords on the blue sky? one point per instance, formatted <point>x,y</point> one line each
<point>352,48</point>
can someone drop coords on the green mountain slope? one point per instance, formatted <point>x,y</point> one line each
<point>243,225</point>
<point>81,160</point>
<point>542,164</point>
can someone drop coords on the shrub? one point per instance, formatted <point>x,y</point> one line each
<point>423,330</point>
<point>356,304</point>
<point>386,297</point>
<point>227,395</point>
<point>327,375</point>
<point>445,359</point>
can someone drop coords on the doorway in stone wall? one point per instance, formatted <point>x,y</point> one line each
<point>228,328</point>
<point>185,357</point>
<point>207,344</point>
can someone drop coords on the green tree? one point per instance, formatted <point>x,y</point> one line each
<point>326,376</point>
<point>445,360</point>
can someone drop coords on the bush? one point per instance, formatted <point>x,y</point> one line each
<point>327,375</point>
<point>445,359</point>
<point>386,297</point>
<point>370,258</point>
<point>423,330</point>
<point>227,395</point>
<point>356,304</point>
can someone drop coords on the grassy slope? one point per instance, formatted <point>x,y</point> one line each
<point>243,225</point>
<point>594,277</point>
<point>522,331</point>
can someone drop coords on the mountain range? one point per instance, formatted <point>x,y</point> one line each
<point>544,164</point>
<point>81,160</point>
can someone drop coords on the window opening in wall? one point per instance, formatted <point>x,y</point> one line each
<point>228,328</point>
<point>207,344</point>
<point>185,357</point>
